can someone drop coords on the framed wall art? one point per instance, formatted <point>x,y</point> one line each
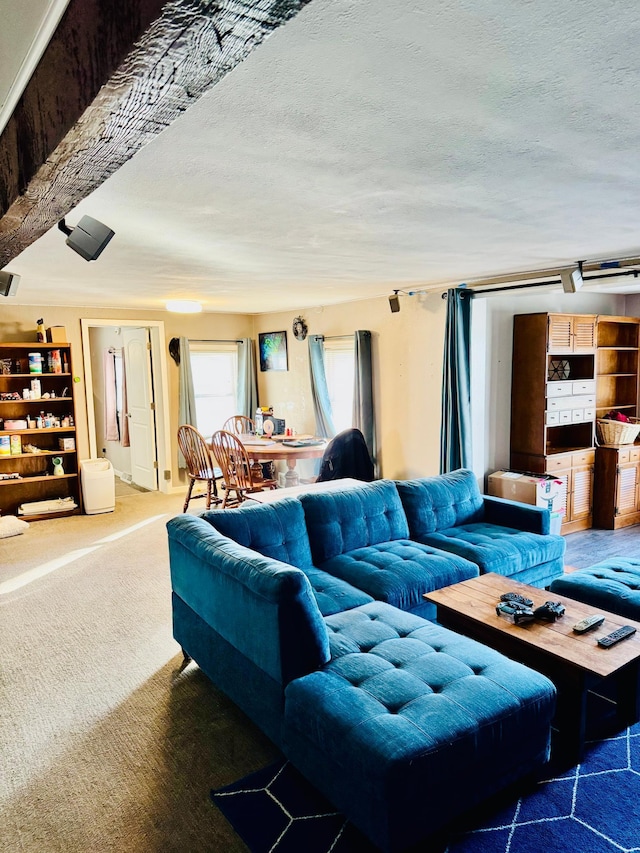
<point>273,350</point>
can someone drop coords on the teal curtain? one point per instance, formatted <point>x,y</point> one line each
<point>455,435</point>
<point>247,379</point>
<point>363,409</point>
<point>319,389</point>
<point>186,394</point>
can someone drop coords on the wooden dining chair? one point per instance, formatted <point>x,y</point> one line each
<point>200,464</point>
<point>238,475</point>
<point>239,425</point>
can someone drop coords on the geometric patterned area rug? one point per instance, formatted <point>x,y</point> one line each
<point>591,808</point>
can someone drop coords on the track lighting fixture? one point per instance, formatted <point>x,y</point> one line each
<point>571,278</point>
<point>88,238</point>
<point>394,299</point>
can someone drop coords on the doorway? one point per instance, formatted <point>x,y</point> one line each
<point>136,437</point>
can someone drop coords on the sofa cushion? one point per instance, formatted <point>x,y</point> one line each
<point>612,584</point>
<point>498,549</point>
<point>400,572</point>
<point>276,530</point>
<point>411,724</point>
<point>262,607</point>
<point>438,503</point>
<point>338,522</point>
<point>333,594</point>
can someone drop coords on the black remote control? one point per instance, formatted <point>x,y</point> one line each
<point>516,598</point>
<point>615,636</point>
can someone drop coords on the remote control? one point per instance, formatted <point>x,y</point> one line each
<point>516,598</point>
<point>588,623</point>
<point>616,636</point>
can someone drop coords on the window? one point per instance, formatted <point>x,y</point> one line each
<point>339,366</point>
<point>215,380</point>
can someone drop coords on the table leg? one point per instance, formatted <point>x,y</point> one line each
<point>291,478</point>
<point>628,695</point>
<point>571,719</point>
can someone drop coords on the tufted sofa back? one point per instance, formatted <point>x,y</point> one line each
<point>276,530</point>
<point>437,503</point>
<point>262,607</point>
<point>338,522</point>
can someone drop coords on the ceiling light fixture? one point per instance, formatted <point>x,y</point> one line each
<point>183,306</point>
<point>88,238</point>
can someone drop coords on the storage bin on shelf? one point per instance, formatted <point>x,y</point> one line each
<point>617,432</point>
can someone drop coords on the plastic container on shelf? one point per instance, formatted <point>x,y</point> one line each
<point>35,362</point>
<point>98,486</point>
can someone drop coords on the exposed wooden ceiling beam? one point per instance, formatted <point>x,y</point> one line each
<point>114,75</point>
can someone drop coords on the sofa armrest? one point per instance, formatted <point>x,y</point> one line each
<point>532,519</point>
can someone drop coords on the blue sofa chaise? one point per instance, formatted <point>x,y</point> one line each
<point>401,723</point>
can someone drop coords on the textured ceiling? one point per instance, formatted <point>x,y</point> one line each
<point>370,145</point>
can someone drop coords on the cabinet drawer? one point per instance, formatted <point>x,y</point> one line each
<point>584,457</point>
<point>577,415</point>
<point>634,454</point>
<point>566,416</point>
<point>589,414</point>
<point>584,386</point>
<point>555,404</point>
<point>559,389</point>
<point>584,400</point>
<point>558,463</point>
<point>577,401</point>
<point>552,418</point>
<point>624,456</point>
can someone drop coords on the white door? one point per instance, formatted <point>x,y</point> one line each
<point>140,407</point>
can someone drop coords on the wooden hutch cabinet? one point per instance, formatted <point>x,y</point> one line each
<point>617,471</point>
<point>553,405</point>
<point>37,426</point>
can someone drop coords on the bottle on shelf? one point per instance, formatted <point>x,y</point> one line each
<point>40,331</point>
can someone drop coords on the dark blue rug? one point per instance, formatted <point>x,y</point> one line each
<point>591,808</point>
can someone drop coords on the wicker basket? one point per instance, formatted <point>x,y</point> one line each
<point>618,432</point>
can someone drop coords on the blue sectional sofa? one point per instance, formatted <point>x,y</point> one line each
<point>448,512</point>
<point>307,613</point>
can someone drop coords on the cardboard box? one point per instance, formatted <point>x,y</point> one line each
<point>67,443</point>
<point>57,334</point>
<point>536,489</point>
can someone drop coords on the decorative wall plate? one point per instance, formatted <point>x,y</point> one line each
<point>299,329</point>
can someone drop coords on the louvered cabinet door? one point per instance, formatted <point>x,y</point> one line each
<point>584,334</point>
<point>581,492</point>
<point>569,333</point>
<point>627,490</point>
<point>560,333</point>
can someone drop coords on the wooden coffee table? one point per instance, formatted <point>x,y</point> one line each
<point>574,662</point>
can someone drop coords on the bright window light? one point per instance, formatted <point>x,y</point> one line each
<point>339,365</point>
<point>214,368</point>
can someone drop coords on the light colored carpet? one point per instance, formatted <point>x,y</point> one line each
<point>104,744</point>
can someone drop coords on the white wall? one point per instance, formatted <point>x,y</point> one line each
<point>407,365</point>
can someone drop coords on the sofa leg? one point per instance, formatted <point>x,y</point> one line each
<point>186,658</point>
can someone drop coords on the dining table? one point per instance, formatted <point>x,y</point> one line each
<point>289,449</point>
